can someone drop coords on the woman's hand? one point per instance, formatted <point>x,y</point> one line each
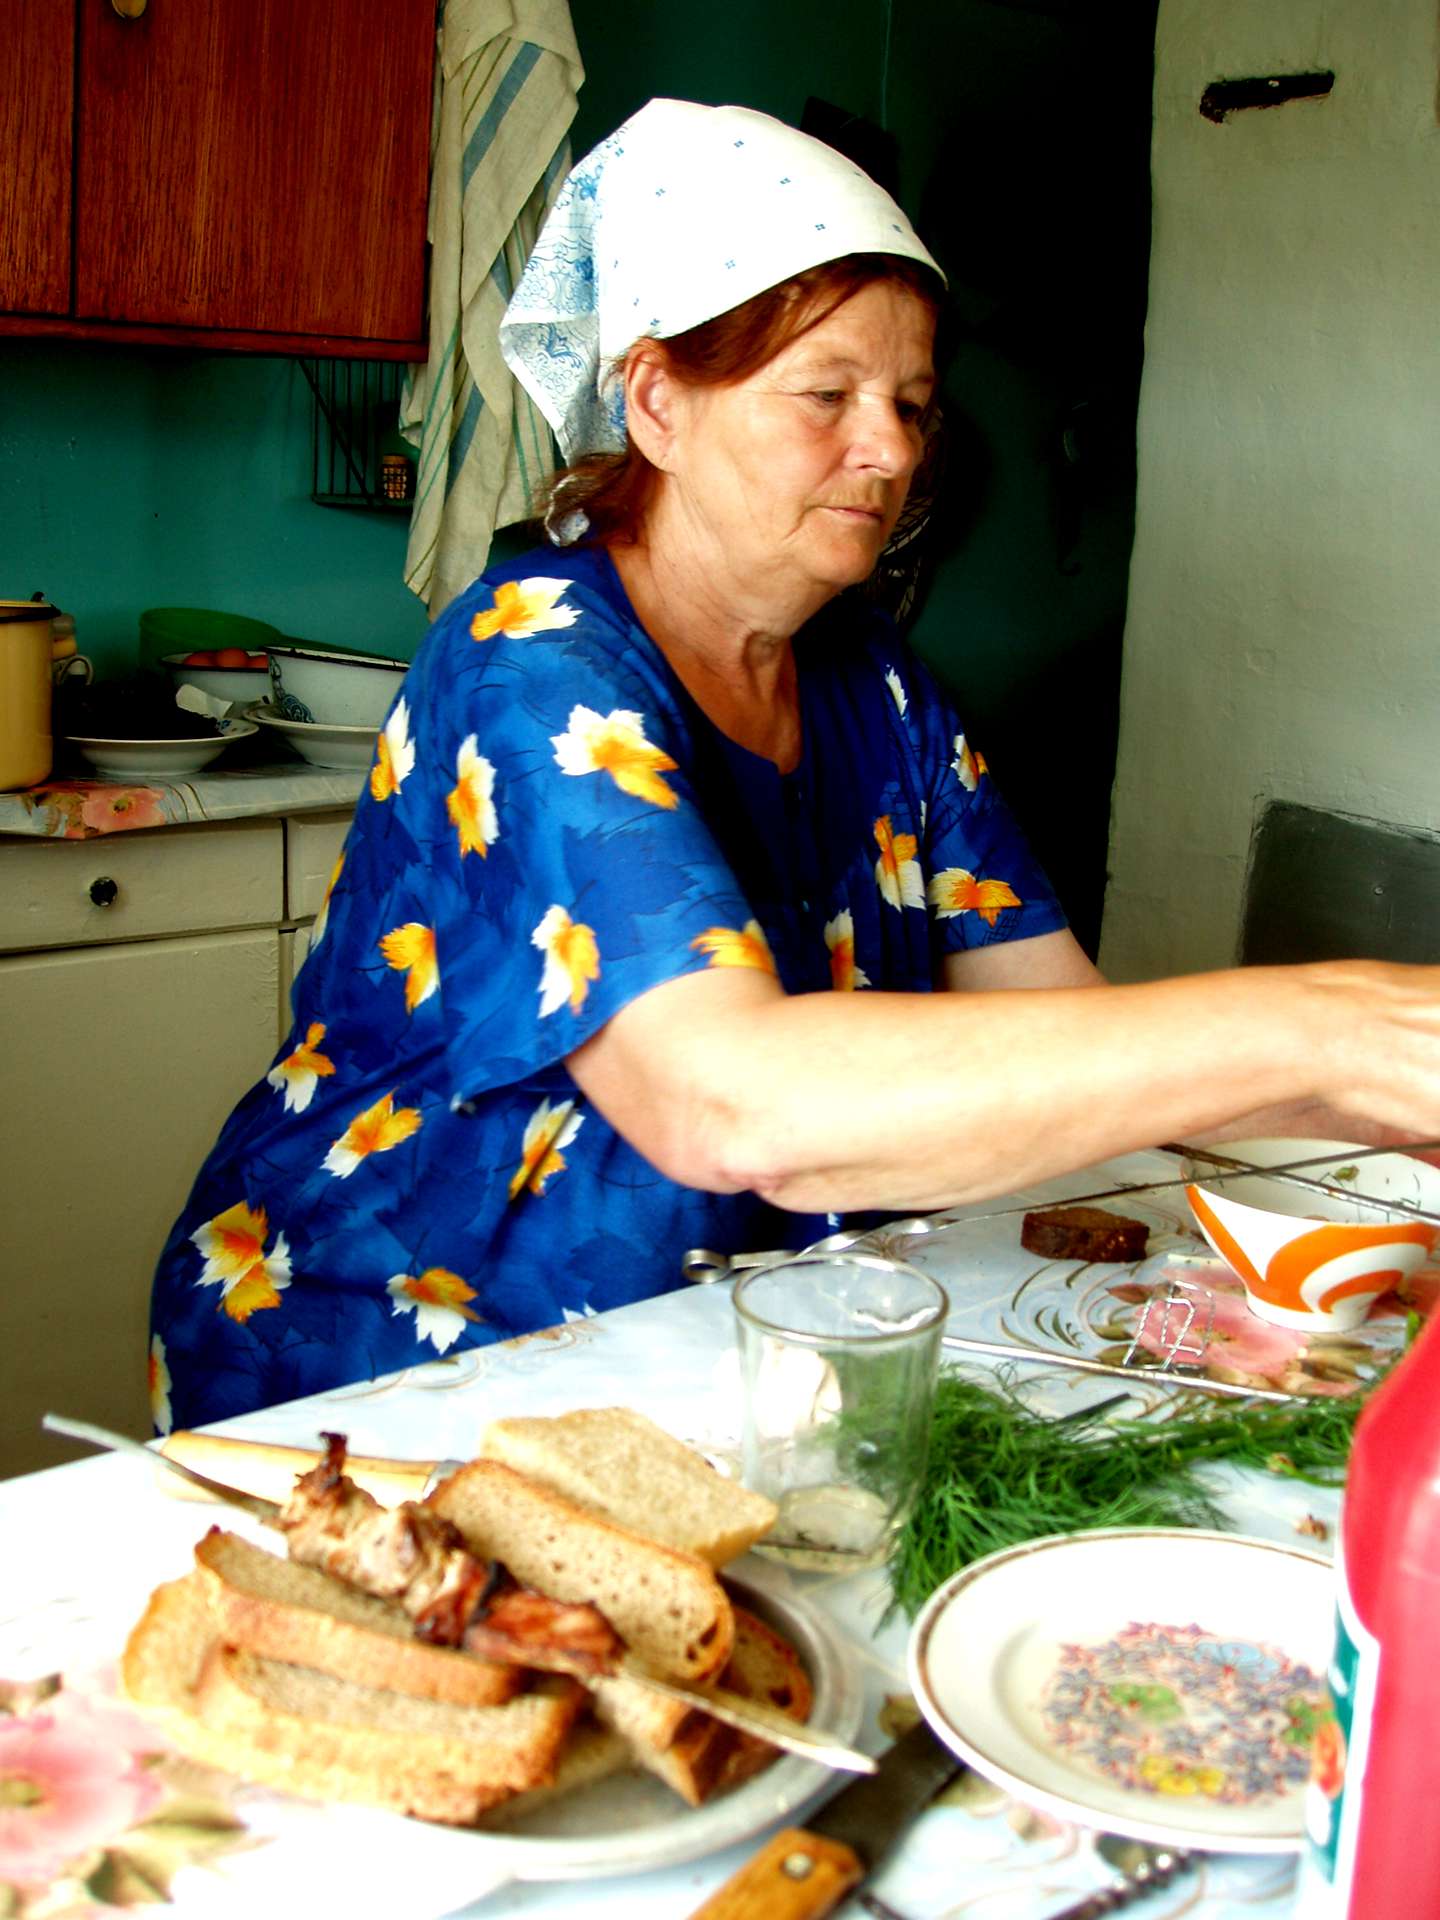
<point>1382,1031</point>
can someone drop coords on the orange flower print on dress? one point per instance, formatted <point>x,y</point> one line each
<point>955,891</point>
<point>159,1382</point>
<point>523,608</point>
<point>437,1298</point>
<point>840,939</point>
<point>411,950</point>
<point>394,754</point>
<point>967,766</point>
<point>233,1244</point>
<point>615,743</point>
<point>317,931</point>
<point>897,871</point>
<point>376,1130</point>
<point>300,1072</point>
<point>736,947</point>
<point>546,1131</point>
<point>897,691</point>
<point>572,960</point>
<point>470,802</point>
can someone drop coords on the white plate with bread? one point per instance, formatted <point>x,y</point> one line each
<point>296,1679</point>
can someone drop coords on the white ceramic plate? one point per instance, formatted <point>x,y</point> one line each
<point>161,757</point>
<point>348,747</point>
<point>632,1823</point>
<point>986,1659</point>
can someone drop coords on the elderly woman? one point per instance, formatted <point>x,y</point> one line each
<point>678,910</point>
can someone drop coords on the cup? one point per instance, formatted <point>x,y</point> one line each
<point>838,1357</point>
<point>1312,1259</point>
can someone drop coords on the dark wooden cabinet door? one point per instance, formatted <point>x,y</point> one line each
<point>37,67</point>
<point>255,165</point>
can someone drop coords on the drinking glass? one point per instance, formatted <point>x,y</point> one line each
<point>838,1357</point>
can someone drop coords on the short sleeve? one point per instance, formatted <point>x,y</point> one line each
<point>571,866</point>
<point>983,884</point>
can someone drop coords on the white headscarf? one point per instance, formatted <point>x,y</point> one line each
<point>682,214</point>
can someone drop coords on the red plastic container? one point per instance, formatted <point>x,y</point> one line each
<point>1371,1815</point>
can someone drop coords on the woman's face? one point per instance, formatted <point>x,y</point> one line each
<point>792,480</point>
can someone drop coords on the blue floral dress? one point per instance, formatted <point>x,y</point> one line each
<point>550,828</point>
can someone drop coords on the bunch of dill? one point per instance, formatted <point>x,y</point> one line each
<point>999,1474</point>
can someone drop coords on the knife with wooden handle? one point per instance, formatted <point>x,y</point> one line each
<point>805,1872</point>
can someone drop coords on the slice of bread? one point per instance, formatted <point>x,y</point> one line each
<point>277,1607</point>
<point>704,1756</point>
<point>666,1605</point>
<point>641,1716</point>
<point>763,1667</point>
<point>592,1754</point>
<point>325,1738</point>
<point>621,1465</point>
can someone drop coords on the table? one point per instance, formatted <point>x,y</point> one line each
<point>84,1544</point>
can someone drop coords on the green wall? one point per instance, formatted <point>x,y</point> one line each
<point>145,477</point>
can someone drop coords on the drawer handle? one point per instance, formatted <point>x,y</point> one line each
<point>129,9</point>
<point>104,892</point>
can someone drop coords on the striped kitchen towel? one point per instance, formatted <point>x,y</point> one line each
<point>507,78</point>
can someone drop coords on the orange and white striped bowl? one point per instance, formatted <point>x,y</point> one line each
<point>1310,1259</point>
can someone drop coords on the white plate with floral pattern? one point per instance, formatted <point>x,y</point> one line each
<point>1162,1683</point>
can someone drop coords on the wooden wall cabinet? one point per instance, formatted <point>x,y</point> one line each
<point>130,1031</point>
<point>246,174</point>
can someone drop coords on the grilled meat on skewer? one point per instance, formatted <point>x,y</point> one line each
<point>521,1628</point>
<point>417,1558</point>
<point>407,1553</point>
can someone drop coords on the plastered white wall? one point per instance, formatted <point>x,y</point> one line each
<point>1283,629</point>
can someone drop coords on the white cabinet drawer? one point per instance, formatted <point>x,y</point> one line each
<point>312,846</point>
<point>54,893</point>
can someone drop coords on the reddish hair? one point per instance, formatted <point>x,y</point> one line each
<point>615,490</point>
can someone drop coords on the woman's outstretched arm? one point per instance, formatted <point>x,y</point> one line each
<point>834,1101</point>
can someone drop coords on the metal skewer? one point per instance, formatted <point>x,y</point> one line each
<point>1163,1376</point>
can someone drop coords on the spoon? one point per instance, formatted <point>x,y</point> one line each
<point>1140,1869</point>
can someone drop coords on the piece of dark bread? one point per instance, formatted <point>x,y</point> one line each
<point>1083,1233</point>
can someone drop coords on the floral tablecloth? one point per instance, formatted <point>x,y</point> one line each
<point>97,1817</point>
<point>69,807</point>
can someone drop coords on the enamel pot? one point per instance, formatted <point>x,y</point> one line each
<point>26,746</point>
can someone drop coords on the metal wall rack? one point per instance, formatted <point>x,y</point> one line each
<point>358,459</point>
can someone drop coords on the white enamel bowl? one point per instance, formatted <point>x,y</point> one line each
<point>239,685</point>
<point>333,689</point>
